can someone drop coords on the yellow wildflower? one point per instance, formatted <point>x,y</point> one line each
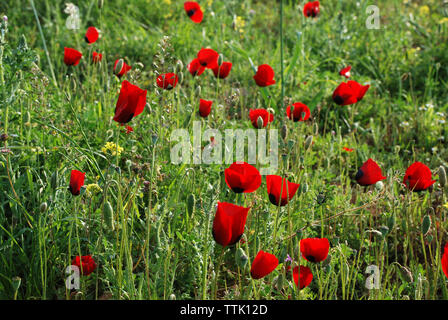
<point>92,189</point>
<point>238,24</point>
<point>112,149</point>
<point>444,20</point>
<point>424,10</point>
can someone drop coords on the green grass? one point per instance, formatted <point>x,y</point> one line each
<point>162,243</point>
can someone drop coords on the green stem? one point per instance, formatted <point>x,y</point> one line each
<point>44,43</point>
<point>281,57</point>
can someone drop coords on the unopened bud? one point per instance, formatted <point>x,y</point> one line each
<point>180,77</point>
<point>316,128</point>
<point>179,66</point>
<point>220,59</point>
<point>172,296</point>
<point>190,203</point>
<point>43,207</point>
<point>108,213</point>
<point>148,107</point>
<point>279,282</point>
<point>54,180</point>
<point>119,67</point>
<point>379,185</point>
<point>308,142</point>
<point>241,258</point>
<point>198,91</point>
<point>442,176</point>
<point>284,131</point>
<point>4,137</point>
<point>16,281</point>
<point>259,122</point>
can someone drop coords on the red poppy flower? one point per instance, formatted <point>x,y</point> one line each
<point>229,223</point>
<point>84,263</point>
<point>131,102</point>
<point>445,260</point>
<point>96,57</point>
<point>242,177</point>
<point>349,93</point>
<point>194,11</point>
<point>167,81</point>
<point>72,56</point>
<point>300,112</point>
<point>76,182</point>
<point>275,185</point>
<point>195,67</point>
<point>347,149</point>
<point>315,249</point>
<point>369,173</point>
<point>311,9</point>
<point>305,276</point>
<point>254,114</point>
<point>263,264</point>
<point>264,76</point>
<point>418,177</point>
<point>345,72</point>
<point>205,106</point>
<point>223,70</point>
<point>91,35</point>
<point>129,129</point>
<point>208,58</point>
<point>123,70</point>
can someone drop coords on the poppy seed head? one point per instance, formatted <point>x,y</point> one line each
<point>338,100</point>
<point>359,174</point>
<point>238,190</point>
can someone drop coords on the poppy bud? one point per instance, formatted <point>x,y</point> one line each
<point>180,77</point>
<point>284,131</point>
<point>260,122</point>
<point>316,128</point>
<point>4,137</point>
<point>442,176</point>
<point>279,281</point>
<point>308,142</point>
<point>198,91</point>
<point>190,203</point>
<point>148,107</point>
<point>255,114</point>
<point>109,216</point>
<point>426,224</point>
<point>118,67</point>
<point>16,281</point>
<point>220,59</point>
<point>54,180</point>
<point>241,258</point>
<point>290,144</point>
<point>172,296</point>
<point>43,207</point>
<point>179,66</point>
